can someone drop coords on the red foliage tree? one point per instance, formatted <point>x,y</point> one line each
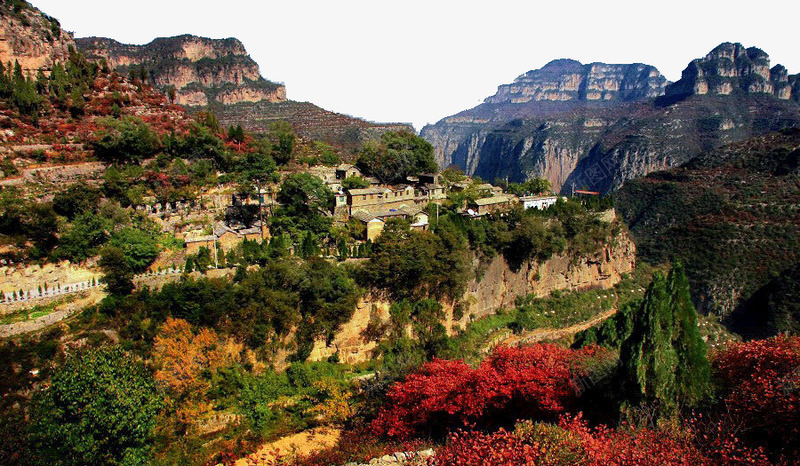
<point>760,393</point>
<point>571,443</point>
<point>512,383</point>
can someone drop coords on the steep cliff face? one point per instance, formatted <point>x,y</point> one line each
<point>498,287</point>
<point>548,123</point>
<point>220,76</point>
<point>732,68</point>
<point>562,80</point>
<point>31,38</point>
<point>202,70</point>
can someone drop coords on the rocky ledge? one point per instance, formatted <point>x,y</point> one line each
<point>31,38</point>
<point>732,68</point>
<point>202,71</point>
<point>563,80</point>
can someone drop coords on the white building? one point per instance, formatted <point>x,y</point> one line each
<point>538,202</point>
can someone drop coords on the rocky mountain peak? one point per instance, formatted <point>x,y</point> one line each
<point>31,38</point>
<point>730,68</point>
<point>570,80</point>
<point>202,71</point>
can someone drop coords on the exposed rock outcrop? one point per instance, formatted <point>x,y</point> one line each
<point>548,124</point>
<point>201,70</point>
<point>498,287</point>
<point>562,80</point>
<point>31,38</point>
<point>733,68</point>
<point>220,76</point>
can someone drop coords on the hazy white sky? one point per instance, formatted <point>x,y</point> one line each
<point>421,60</point>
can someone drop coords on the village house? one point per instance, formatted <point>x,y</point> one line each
<point>538,202</point>
<point>379,199</point>
<point>487,205</point>
<point>227,237</point>
<point>376,221</point>
<point>345,171</point>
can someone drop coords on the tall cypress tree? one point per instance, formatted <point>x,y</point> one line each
<point>648,356</point>
<point>693,374</point>
<point>664,359</point>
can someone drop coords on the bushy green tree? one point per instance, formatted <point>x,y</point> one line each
<point>417,264</point>
<point>139,248</point>
<point>127,140</point>
<point>117,272</point>
<point>100,408</point>
<point>355,182</point>
<point>86,234</point>
<point>397,155</point>
<point>532,186</point>
<point>76,199</point>
<point>305,205</point>
<point>283,134</point>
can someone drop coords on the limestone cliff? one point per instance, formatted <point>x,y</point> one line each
<point>219,75</point>
<point>596,126</point>
<point>732,68</point>
<point>31,38</point>
<point>562,80</point>
<point>497,287</point>
<point>201,70</point>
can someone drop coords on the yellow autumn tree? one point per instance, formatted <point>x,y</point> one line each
<point>183,358</point>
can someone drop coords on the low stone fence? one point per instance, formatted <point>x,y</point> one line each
<point>408,458</point>
<point>21,298</point>
<point>48,291</point>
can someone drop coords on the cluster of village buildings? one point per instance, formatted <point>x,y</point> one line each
<point>373,205</point>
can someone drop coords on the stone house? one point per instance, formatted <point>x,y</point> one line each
<point>227,237</point>
<point>346,170</point>
<point>379,199</point>
<point>375,222</point>
<point>486,205</point>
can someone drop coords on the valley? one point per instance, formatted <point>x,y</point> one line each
<point>595,266</point>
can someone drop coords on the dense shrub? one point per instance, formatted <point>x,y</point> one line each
<point>512,383</point>
<point>760,392</point>
<point>570,443</point>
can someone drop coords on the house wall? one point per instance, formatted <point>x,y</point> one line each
<point>374,229</point>
<point>194,246</point>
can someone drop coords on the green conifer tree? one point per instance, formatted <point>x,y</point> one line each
<point>6,87</point>
<point>693,374</point>
<point>664,359</point>
<point>308,246</point>
<point>648,357</point>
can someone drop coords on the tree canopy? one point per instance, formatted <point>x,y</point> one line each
<point>100,409</point>
<point>396,156</point>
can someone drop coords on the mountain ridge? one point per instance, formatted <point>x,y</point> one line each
<point>597,144</point>
<point>218,75</point>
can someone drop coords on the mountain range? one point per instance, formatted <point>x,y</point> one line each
<point>595,126</point>
<point>219,75</point>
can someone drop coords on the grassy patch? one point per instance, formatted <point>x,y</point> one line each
<point>38,310</point>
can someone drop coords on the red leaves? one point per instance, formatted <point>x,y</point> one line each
<point>512,383</point>
<point>761,390</point>
<point>572,443</point>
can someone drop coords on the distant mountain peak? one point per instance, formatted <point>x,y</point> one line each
<point>731,68</point>
<point>203,71</point>
<point>570,80</point>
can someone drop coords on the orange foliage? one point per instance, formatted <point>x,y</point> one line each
<point>184,359</point>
